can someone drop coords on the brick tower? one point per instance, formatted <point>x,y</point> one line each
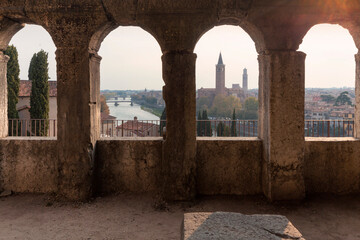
<point>245,80</point>
<point>220,77</point>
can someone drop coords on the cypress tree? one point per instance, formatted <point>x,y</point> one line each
<point>39,97</point>
<point>220,129</point>
<point>13,82</point>
<point>207,124</point>
<point>233,125</point>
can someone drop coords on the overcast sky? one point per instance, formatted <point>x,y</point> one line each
<point>132,57</point>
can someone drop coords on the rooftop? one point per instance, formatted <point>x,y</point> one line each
<point>25,88</point>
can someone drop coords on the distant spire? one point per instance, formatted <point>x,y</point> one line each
<point>220,60</point>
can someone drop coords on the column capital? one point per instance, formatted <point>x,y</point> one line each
<point>279,52</point>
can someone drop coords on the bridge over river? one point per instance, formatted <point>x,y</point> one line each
<point>120,100</point>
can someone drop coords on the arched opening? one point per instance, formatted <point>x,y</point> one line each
<point>131,82</point>
<point>32,86</point>
<point>329,81</point>
<point>227,94</point>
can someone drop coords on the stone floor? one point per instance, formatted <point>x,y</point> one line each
<point>127,216</point>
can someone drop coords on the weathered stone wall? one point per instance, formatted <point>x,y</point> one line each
<point>332,166</point>
<point>277,27</point>
<point>29,165</point>
<point>224,166</point>
<point>229,166</point>
<point>128,165</point>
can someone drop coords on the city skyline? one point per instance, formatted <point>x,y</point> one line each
<point>123,48</point>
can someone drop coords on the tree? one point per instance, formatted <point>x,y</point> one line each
<point>13,82</point>
<point>104,108</point>
<point>203,103</point>
<point>343,99</point>
<point>251,104</point>
<point>233,125</point>
<point>39,97</point>
<point>222,130</point>
<point>250,111</point>
<point>223,106</point>
<point>207,124</point>
<point>327,98</point>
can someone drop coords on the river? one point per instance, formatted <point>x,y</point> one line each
<point>124,111</point>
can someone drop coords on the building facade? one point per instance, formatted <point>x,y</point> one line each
<point>220,89</point>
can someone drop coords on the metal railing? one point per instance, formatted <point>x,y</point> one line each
<point>155,128</point>
<point>227,128</point>
<point>329,128</point>
<point>32,127</point>
<point>132,128</point>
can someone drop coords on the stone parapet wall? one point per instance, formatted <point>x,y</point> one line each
<point>229,166</point>
<point>224,166</point>
<point>277,28</point>
<point>29,165</point>
<point>128,165</point>
<point>332,165</point>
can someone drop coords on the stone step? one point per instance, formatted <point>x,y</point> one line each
<point>235,226</point>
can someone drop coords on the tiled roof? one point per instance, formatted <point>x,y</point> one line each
<point>105,116</point>
<point>25,88</point>
<point>136,125</point>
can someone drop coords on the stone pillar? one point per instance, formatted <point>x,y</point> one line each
<point>357,97</point>
<point>78,93</point>
<point>281,104</point>
<point>3,96</point>
<point>179,148</point>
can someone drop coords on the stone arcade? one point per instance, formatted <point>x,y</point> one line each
<point>281,163</point>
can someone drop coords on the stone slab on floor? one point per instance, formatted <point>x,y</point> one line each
<point>231,226</point>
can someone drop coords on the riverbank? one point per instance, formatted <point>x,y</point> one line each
<point>156,111</point>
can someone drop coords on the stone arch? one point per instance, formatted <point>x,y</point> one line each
<point>101,33</point>
<point>353,29</point>
<point>254,33</point>
<point>8,29</point>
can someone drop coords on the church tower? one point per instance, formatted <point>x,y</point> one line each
<point>220,77</point>
<point>245,80</point>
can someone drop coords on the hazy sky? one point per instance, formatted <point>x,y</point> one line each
<point>132,57</point>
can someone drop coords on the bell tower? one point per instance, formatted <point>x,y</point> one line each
<point>220,77</point>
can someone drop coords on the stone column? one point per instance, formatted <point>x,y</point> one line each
<point>78,120</point>
<point>3,96</point>
<point>179,148</point>
<point>281,104</point>
<point>357,97</point>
